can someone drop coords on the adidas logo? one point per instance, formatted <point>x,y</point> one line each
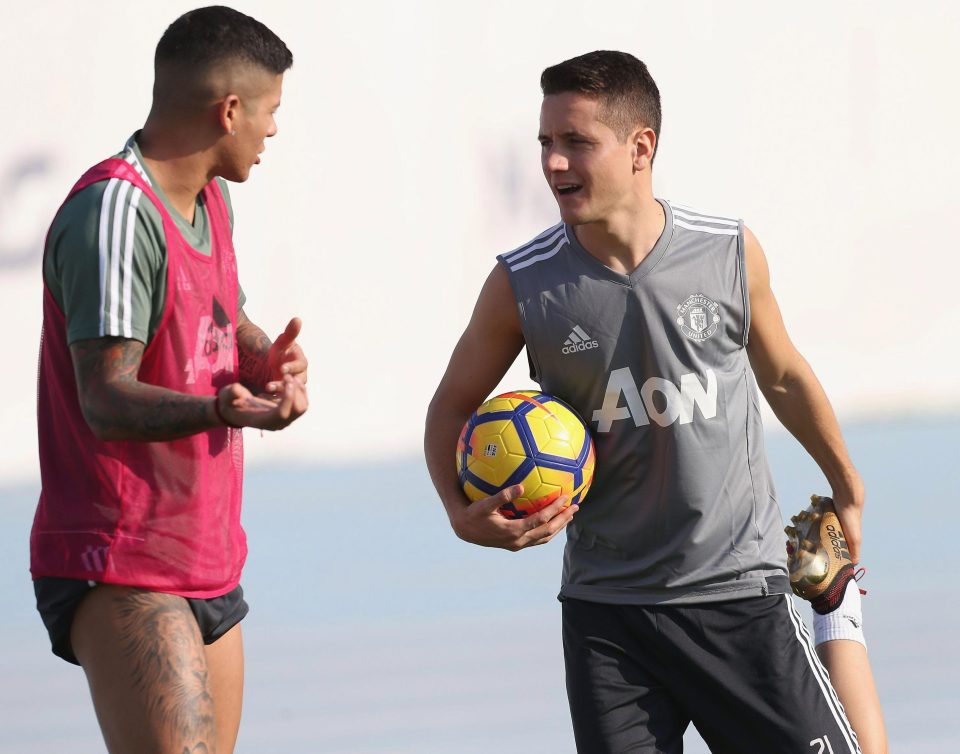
<point>578,340</point>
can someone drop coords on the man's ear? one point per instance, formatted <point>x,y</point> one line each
<point>643,147</point>
<point>227,113</point>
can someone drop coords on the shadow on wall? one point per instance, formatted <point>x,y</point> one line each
<point>25,191</point>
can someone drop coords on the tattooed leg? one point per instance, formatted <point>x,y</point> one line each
<point>147,669</point>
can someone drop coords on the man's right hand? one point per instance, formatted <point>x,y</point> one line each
<point>482,523</point>
<point>241,408</point>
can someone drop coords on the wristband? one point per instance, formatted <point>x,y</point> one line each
<point>220,416</point>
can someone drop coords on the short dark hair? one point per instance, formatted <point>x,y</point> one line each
<point>204,37</point>
<point>627,93</point>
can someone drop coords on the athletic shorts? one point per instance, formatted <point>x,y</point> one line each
<point>743,672</point>
<point>57,601</point>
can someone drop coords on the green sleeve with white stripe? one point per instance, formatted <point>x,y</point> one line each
<point>124,300</point>
<point>127,298</point>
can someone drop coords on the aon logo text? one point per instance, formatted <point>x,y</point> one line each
<point>673,404</point>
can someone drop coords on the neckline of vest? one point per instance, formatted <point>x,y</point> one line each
<point>197,234</point>
<point>645,267</point>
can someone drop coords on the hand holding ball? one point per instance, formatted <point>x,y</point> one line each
<point>529,438</point>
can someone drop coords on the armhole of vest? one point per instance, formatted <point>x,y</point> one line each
<point>527,340</point>
<point>169,290</point>
<point>744,286</point>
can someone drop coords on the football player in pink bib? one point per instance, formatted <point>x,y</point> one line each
<point>149,369</point>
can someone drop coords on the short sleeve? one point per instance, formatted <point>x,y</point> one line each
<point>105,262</point>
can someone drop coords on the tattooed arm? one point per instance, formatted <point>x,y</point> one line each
<point>253,346</point>
<point>263,364</point>
<point>117,406</point>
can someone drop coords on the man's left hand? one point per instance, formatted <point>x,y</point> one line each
<point>286,357</point>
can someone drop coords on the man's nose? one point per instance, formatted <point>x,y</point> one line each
<point>555,162</point>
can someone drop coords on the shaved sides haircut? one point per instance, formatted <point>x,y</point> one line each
<point>206,39</point>
<point>628,95</point>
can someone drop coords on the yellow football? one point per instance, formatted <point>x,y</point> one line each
<point>529,438</point>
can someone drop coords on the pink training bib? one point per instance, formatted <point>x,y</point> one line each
<point>160,515</point>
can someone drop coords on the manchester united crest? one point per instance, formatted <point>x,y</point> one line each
<point>698,317</point>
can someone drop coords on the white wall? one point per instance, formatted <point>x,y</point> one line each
<point>407,159</point>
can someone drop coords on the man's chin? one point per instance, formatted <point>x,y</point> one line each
<point>571,217</point>
<point>236,175</point>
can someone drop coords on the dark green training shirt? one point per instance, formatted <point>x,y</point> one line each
<point>106,257</point>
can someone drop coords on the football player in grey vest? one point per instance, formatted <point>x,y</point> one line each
<point>657,323</point>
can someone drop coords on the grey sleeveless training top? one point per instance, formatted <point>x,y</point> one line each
<point>682,507</point>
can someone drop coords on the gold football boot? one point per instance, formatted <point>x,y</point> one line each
<point>818,560</point>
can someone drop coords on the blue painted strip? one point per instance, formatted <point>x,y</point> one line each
<point>526,407</point>
<point>520,473</point>
<point>510,511</point>
<point>473,422</point>
<point>465,454</point>
<point>523,431</point>
<point>548,460</point>
<point>557,462</point>
<point>587,439</point>
<point>480,484</point>
<point>585,448</point>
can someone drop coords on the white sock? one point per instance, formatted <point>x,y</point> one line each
<point>846,622</point>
